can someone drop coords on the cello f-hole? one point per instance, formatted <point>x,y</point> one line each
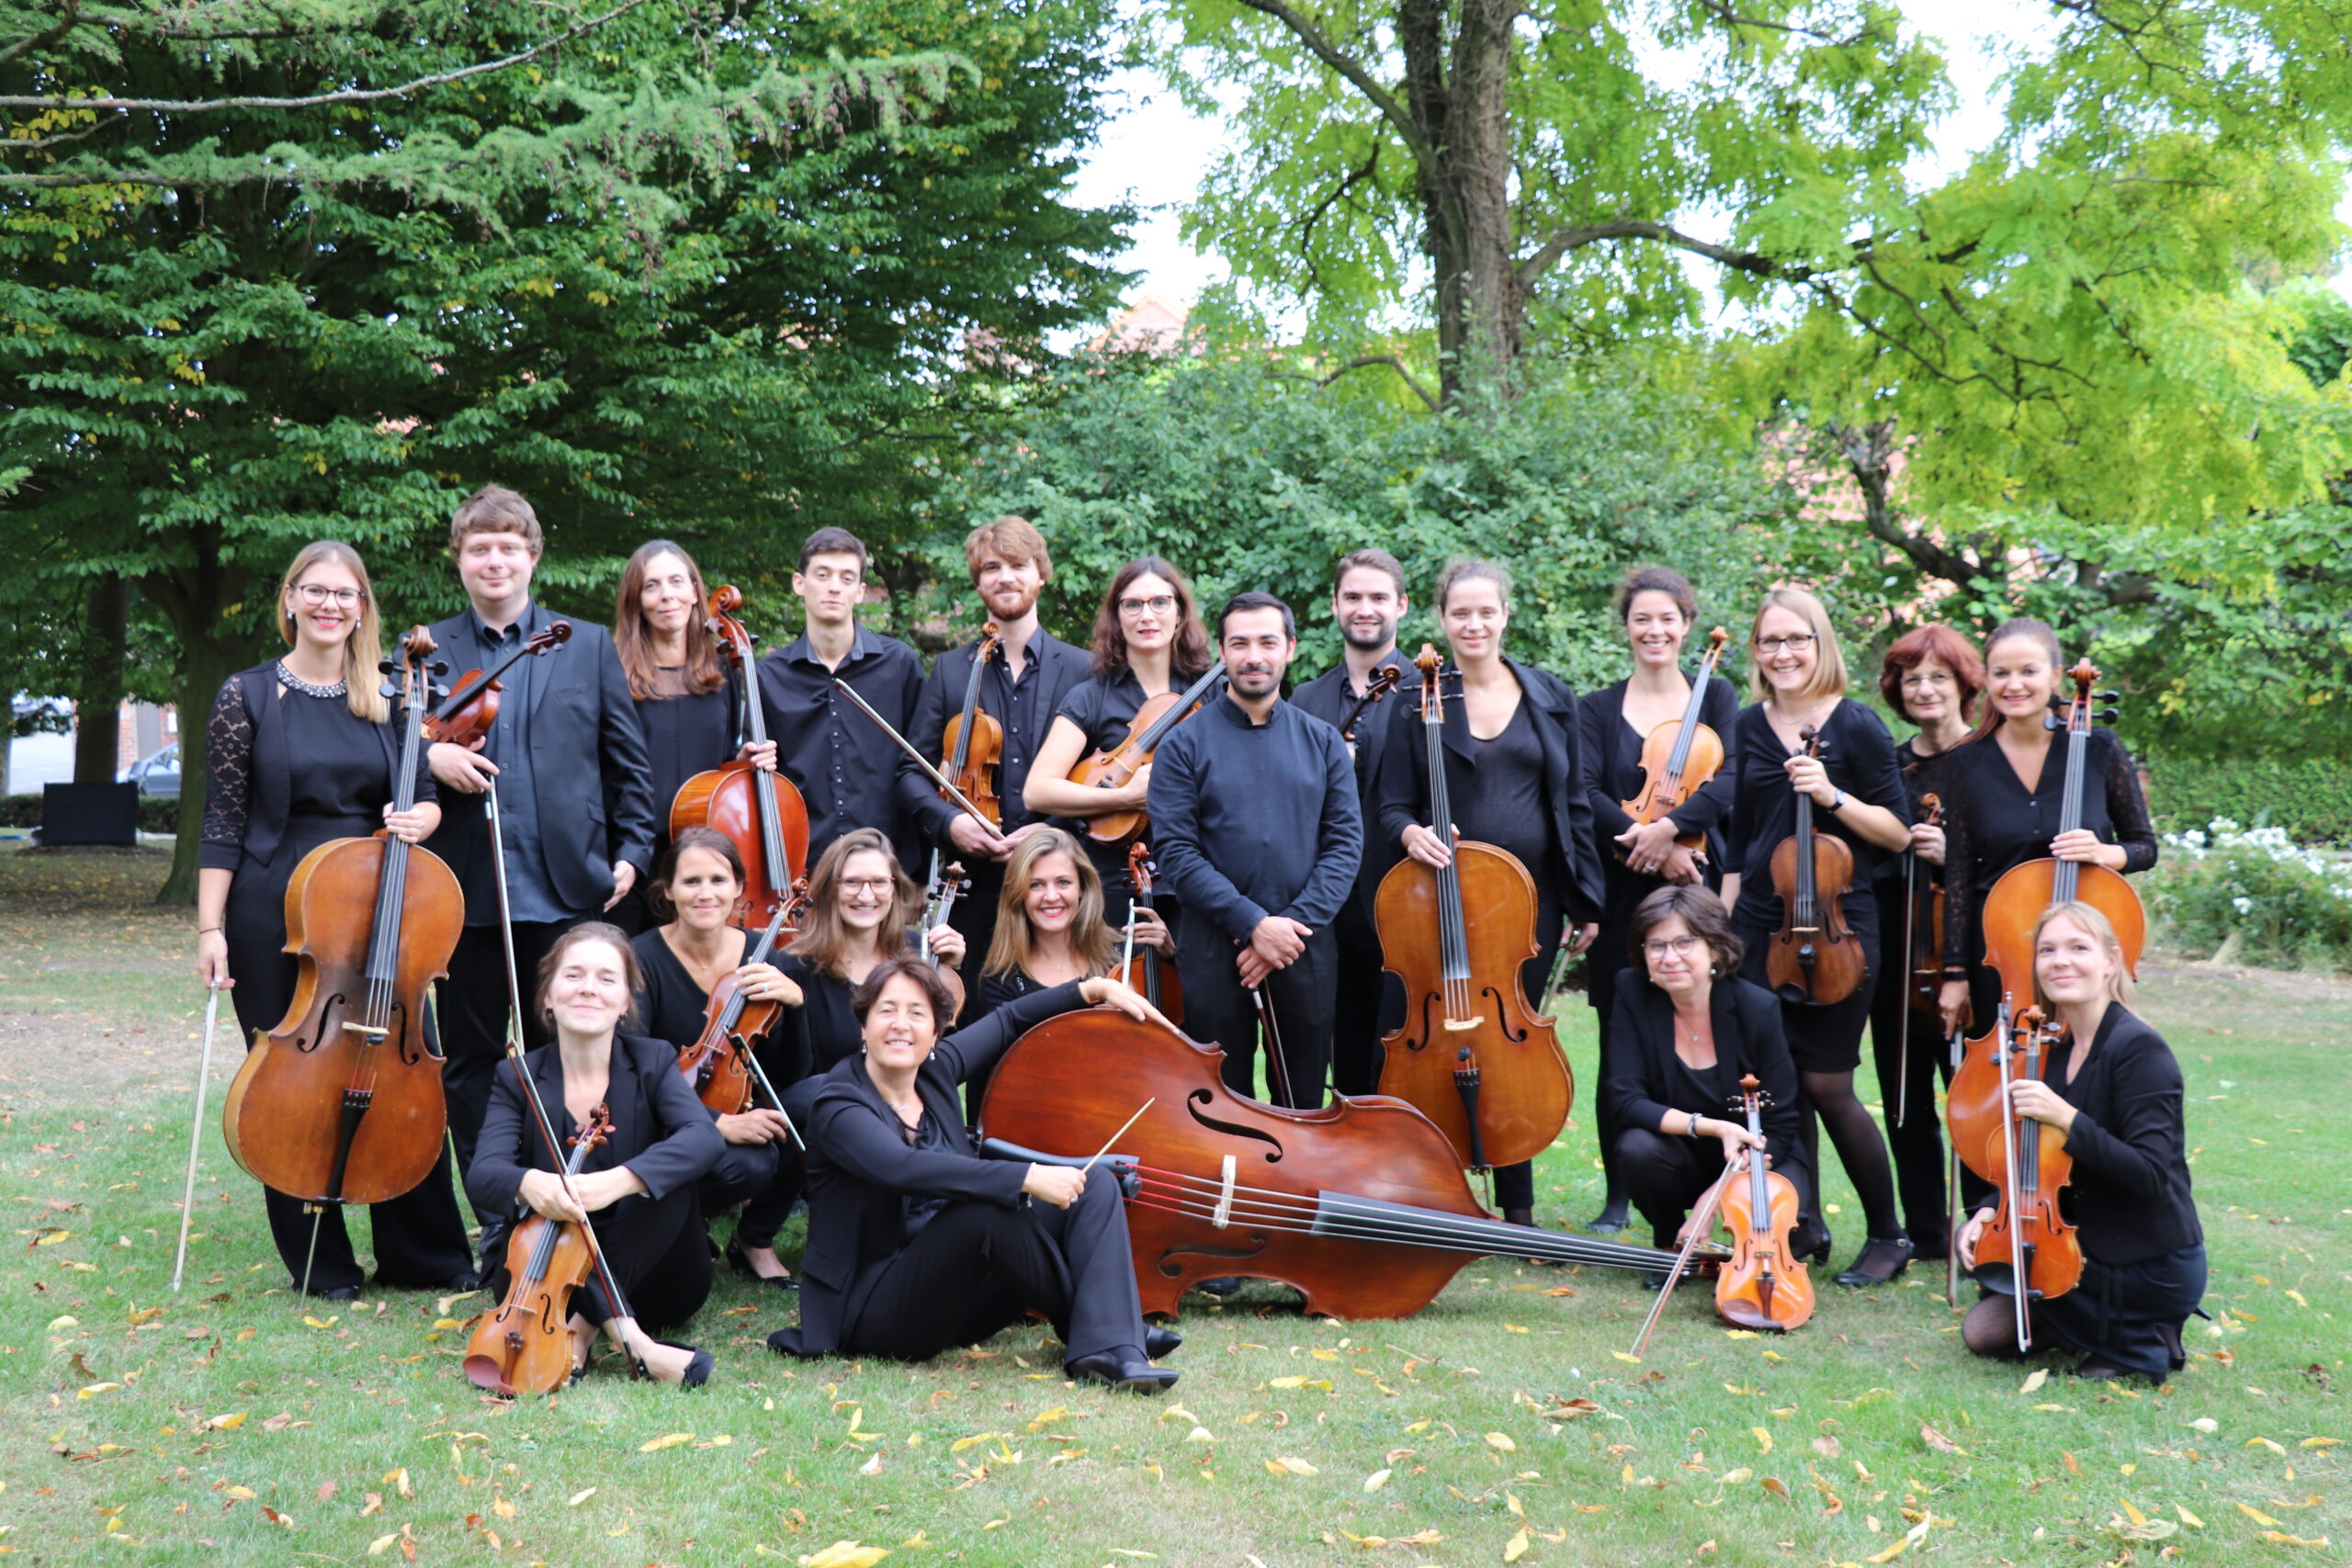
<point>334,1004</point>
<point>1200,1097</point>
<point>1502,1014</point>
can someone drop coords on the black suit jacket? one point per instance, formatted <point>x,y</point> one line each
<point>588,769</point>
<point>861,1171</point>
<point>1601,718</point>
<point>1329,698</point>
<point>1575,873</point>
<point>1638,1062</point>
<point>1060,667</point>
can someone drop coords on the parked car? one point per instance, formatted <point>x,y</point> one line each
<point>156,774</point>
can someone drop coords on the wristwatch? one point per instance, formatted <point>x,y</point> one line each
<point>1836,805</point>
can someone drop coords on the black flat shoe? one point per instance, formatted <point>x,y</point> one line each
<point>1159,1342</point>
<point>698,1370</point>
<point>1654,1280</point>
<point>1611,1221</point>
<point>1810,1242</point>
<point>741,1264</point>
<point>1221,1286</point>
<point>1893,1257</point>
<point>337,1294</point>
<point>1122,1371</point>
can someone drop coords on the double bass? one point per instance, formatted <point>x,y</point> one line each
<point>1813,957</point>
<point>757,808</point>
<point>2028,1251</point>
<point>1471,1055</point>
<point>1679,759</point>
<point>1361,1206</point>
<point>1115,766</point>
<point>342,1103</point>
<point>1973,1101</point>
<point>524,1344</point>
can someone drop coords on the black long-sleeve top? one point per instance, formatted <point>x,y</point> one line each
<point>1331,698</point>
<point>1023,708</point>
<point>1993,823</point>
<point>845,768</point>
<point>258,777</point>
<point>1573,875</point>
<point>1643,1077</point>
<point>1858,753</point>
<point>685,733</point>
<point>2129,1197</point>
<point>1611,755</point>
<point>1250,820</point>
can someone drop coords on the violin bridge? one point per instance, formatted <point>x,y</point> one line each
<point>1224,1215</point>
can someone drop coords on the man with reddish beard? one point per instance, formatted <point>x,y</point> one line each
<point>1022,688</point>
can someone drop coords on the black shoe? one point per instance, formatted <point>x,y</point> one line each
<point>1221,1286</point>
<point>1880,1261</point>
<point>337,1294</point>
<point>1123,1370</point>
<point>741,1264</point>
<point>1654,1280</point>
<point>1159,1342</point>
<point>1810,1241</point>
<point>1611,1219</point>
<point>698,1370</point>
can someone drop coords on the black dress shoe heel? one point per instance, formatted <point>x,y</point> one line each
<point>698,1370</point>
<point>1122,1369</point>
<point>1159,1342</point>
<point>741,1263</point>
<point>1880,1260</point>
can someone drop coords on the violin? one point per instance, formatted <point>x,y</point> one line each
<point>524,1344</point>
<point>2027,1251</point>
<point>468,713</point>
<point>720,1065</point>
<point>1471,1055</point>
<point>973,742</point>
<point>342,1103</point>
<point>1973,1099</point>
<point>1360,1205</point>
<point>1119,764</point>
<point>1384,680</point>
<point>1763,1285</point>
<point>1148,974</point>
<point>1678,759</point>
<point>1812,958</point>
<point>757,808</point>
<point>1925,917</point>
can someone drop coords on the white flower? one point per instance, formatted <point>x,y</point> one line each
<point>2243,905</point>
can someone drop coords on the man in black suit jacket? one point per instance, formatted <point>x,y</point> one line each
<point>573,796</point>
<point>1021,689</point>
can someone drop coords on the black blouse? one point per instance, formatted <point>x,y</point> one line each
<point>670,1004</point>
<point>1612,753</point>
<point>1643,1078</point>
<point>1993,822</point>
<point>1504,802</point>
<point>298,756</point>
<point>685,733</point>
<point>1858,753</point>
<point>1103,706</point>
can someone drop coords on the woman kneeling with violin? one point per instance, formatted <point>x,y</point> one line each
<point>1683,1031</point>
<point>915,1243</point>
<point>638,1190</point>
<point>2113,1092</point>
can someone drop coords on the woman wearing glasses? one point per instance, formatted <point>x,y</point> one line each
<point>1684,1030</point>
<point>1149,641</point>
<point>1798,676</point>
<point>302,750</point>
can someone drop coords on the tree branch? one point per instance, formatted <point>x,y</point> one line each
<point>1870,451</point>
<point>1578,236</point>
<point>69,17</point>
<point>1354,70</point>
<point>1721,10</point>
<point>1364,361</point>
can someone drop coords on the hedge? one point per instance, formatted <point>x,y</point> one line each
<point>2312,800</point>
<point>157,814</point>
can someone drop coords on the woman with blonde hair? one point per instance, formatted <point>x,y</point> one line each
<point>1798,677</point>
<point>1049,924</point>
<point>300,750</point>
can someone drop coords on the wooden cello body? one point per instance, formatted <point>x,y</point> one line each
<point>342,1102</point>
<point>1472,1055</point>
<point>759,810</point>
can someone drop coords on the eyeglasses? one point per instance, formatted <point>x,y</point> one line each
<point>1784,643</point>
<point>1933,678</point>
<point>865,884</point>
<point>1158,605</point>
<point>1681,946</point>
<point>314,595</point>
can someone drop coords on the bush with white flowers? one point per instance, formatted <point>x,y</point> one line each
<point>2253,892</point>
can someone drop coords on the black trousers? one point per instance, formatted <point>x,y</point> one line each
<point>1665,1176</point>
<point>1515,1184</point>
<point>471,1003</point>
<point>742,1173</point>
<point>419,1238</point>
<point>1217,1010</point>
<point>1914,1128</point>
<point>1368,1003</point>
<point>657,1250</point>
<point>978,1268</point>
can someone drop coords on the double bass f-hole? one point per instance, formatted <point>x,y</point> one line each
<point>1200,1097</point>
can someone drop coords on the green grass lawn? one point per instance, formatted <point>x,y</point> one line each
<point>232,1423</point>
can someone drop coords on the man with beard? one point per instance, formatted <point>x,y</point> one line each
<point>1367,600</point>
<point>1022,688</point>
<point>1259,833</point>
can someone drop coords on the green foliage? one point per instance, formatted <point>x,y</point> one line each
<point>2309,799</point>
<point>1248,478</point>
<point>2252,894</point>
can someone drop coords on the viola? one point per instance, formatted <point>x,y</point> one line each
<point>1149,972</point>
<point>1471,1055</point>
<point>2014,907</point>
<point>1763,1285</point>
<point>1119,764</point>
<point>973,741</point>
<point>1813,956</point>
<point>1360,1205</point>
<point>469,711</point>
<point>2027,1251</point>
<point>1679,759</point>
<point>755,807</point>
<point>1384,680</point>
<point>342,1103</point>
<point>524,1344</point>
<point>719,1063</point>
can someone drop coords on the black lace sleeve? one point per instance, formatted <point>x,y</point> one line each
<point>228,778</point>
<point>1959,860</point>
<point>2126,807</point>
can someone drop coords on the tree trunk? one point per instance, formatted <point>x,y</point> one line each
<point>97,697</point>
<point>1461,110</point>
<point>197,598</point>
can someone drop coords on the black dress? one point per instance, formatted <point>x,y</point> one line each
<point>285,772</point>
<point>1996,823</point>
<point>685,733</point>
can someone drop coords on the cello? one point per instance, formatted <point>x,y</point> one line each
<point>524,1344</point>
<point>2027,1251</point>
<point>342,1102</point>
<point>468,711</point>
<point>1145,973</point>
<point>1112,768</point>
<point>1360,1205</point>
<point>1471,1055</point>
<point>721,1065</point>
<point>1812,958</point>
<point>1763,1285</point>
<point>1973,1101</point>
<point>757,808</point>
<point>1679,759</point>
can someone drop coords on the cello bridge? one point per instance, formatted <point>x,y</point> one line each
<point>1224,1215</point>
<point>1456,1025</point>
<point>373,1033</point>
